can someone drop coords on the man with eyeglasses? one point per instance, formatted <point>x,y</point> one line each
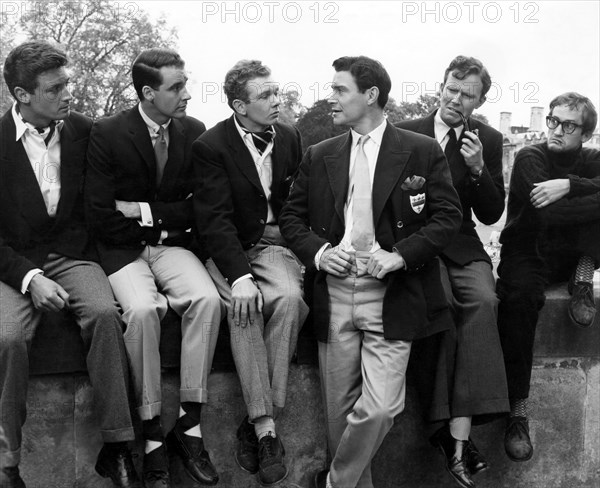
<point>552,234</point>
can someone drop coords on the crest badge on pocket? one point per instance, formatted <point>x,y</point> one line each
<point>417,202</point>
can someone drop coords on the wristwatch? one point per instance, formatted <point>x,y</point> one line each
<point>476,176</point>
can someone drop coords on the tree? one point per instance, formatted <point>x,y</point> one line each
<point>480,117</point>
<point>316,124</point>
<point>424,105</point>
<point>102,39</point>
<point>290,109</point>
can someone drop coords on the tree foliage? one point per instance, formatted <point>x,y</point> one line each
<point>101,38</point>
<point>316,124</point>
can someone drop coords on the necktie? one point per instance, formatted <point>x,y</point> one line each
<point>451,144</point>
<point>161,153</point>
<point>362,208</point>
<point>41,130</point>
<point>261,139</point>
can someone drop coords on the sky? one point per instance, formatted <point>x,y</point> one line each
<point>533,50</point>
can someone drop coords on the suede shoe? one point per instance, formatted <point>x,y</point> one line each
<point>271,468</point>
<point>582,309</point>
<point>195,458</point>
<point>476,463</point>
<point>246,453</point>
<point>517,443</point>
<point>10,478</point>
<point>155,471</point>
<point>320,479</point>
<point>454,452</point>
<point>116,463</point>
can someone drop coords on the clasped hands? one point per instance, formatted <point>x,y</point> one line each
<point>338,262</point>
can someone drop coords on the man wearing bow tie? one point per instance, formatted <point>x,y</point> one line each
<point>368,214</point>
<point>138,193</point>
<point>46,257</point>
<point>245,166</point>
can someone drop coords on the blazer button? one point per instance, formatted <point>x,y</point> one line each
<point>159,221</point>
<point>261,221</point>
<point>400,224</point>
<point>143,243</point>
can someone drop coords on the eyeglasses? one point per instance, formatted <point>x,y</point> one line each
<point>568,127</point>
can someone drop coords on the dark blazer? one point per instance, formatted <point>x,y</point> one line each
<point>230,205</point>
<point>27,233</point>
<point>122,166</point>
<point>414,303</point>
<point>485,197</point>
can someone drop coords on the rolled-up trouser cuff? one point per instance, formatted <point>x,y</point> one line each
<point>118,435</point>
<point>256,411</point>
<point>197,395</point>
<point>148,412</point>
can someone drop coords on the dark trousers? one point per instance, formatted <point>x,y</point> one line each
<point>523,277</point>
<point>92,303</point>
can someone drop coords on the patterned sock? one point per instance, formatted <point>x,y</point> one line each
<point>263,426</point>
<point>518,407</point>
<point>585,270</point>
<point>152,433</point>
<point>189,418</point>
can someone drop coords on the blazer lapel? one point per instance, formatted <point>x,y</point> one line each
<point>141,140</point>
<point>19,177</point>
<point>242,158</point>
<point>337,166</point>
<point>391,163</point>
<point>280,158</point>
<point>71,171</point>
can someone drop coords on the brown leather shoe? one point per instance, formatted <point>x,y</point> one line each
<point>195,458</point>
<point>517,443</point>
<point>272,468</point>
<point>117,464</point>
<point>582,309</point>
<point>476,463</point>
<point>246,452</point>
<point>454,452</point>
<point>155,472</point>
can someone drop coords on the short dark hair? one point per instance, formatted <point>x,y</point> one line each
<point>367,73</point>
<point>146,68</point>
<point>27,61</point>
<point>463,66</point>
<point>575,101</point>
<point>237,78</point>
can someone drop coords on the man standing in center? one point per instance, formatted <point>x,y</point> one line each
<point>245,166</point>
<point>138,192</point>
<point>368,214</point>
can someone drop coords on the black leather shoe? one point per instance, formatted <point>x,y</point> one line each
<point>194,457</point>
<point>517,443</point>
<point>582,309</point>
<point>10,478</point>
<point>476,463</point>
<point>271,468</point>
<point>116,464</point>
<point>155,472</point>
<point>320,479</point>
<point>246,452</point>
<point>454,452</point>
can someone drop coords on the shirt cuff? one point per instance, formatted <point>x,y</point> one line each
<point>320,253</point>
<point>27,279</point>
<point>146,220</point>
<point>244,277</point>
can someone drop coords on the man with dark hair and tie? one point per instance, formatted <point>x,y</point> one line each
<point>46,257</point>
<point>476,380</point>
<point>245,166</point>
<point>368,214</point>
<point>138,194</point>
<point>552,234</point>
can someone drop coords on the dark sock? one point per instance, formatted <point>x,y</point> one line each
<point>192,415</point>
<point>116,446</point>
<point>151,429</point>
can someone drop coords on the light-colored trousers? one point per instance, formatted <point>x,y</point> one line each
<point>160,277</point>
<point>262,351</point>
<point>362,376</point>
